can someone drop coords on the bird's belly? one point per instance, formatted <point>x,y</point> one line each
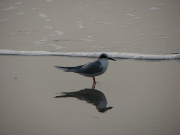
<point>93,74</point>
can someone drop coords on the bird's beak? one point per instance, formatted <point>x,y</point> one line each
<point>111,59</point>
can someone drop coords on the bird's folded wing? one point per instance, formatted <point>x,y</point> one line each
<point>91,68</point>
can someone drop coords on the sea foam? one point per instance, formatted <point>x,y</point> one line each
<point>118,55</point>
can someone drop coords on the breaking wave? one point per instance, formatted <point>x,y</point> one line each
<point>119,55</point>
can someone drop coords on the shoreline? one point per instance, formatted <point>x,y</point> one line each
<point>117,55</point>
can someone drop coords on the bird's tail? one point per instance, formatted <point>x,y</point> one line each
<point>63,96</point>
<point>66,94</point>
<point>63,68</point>
<point>70,69</point>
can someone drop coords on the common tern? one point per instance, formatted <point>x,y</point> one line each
<point>92,69</point>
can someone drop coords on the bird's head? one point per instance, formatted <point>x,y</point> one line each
<point>105,56</point>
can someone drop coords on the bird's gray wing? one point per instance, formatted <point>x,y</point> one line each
<point>91,68</point>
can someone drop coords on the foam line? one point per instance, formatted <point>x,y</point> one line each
<point>119,55</point>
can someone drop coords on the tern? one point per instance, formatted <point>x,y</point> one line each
<point>92,69</point>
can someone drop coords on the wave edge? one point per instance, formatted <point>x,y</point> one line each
<point>118,55</point>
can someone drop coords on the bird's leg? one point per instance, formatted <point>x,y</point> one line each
<point>94,83</point>
<point>94,80</point>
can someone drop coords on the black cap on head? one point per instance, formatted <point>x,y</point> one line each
<point>104,55</point>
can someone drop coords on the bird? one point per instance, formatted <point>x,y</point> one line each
<point>91,96</point>
<point>91,69</point>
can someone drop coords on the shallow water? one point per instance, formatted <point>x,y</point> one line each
<point>148,27</point>
<point>144,96</point>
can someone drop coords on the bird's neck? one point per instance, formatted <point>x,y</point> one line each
<point>104,62</point>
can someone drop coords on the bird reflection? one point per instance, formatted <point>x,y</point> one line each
<point>92,96</point>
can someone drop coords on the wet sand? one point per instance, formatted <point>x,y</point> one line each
<point>144,96</point>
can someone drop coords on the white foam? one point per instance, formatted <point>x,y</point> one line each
<point>3,20</point>
<point>39,42</point>
<point>159,4</point>
<point>43,15</point>
<point>47,20</point>
<point>125,42</point>
<point>52,35</point>
<point>137,17</point>
<point>164,37</point>
<point>80,22</point>
<point>18,3</point>
<point>81,26</point>
<point>43,40</point>
<point>136,9</point>
<point>122,42</point>
<point>90,36</point>
<point>154,8</point>
<point>57,47</point>
<point>101,47</point>
<point>10,8</point>
<point>142,34</point>
<point>80,8</point>
<point>49,27</point>
<point>60,33</point>
<point>157,34</point>
<point>21,13</point>
<point>87,40</point>
<point>119,55</point>
<point>93,18</point>
<point>129,14</point>
<point>49,1</point>
<point>34,8</point>
<point>105,23</point>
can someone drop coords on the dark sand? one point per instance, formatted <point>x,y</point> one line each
<point>144,94</point>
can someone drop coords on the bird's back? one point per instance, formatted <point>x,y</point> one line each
<point>91,69</point>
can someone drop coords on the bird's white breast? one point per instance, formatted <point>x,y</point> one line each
<point>104,63</point>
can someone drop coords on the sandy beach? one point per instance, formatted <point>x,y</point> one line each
<point>144,96</point>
